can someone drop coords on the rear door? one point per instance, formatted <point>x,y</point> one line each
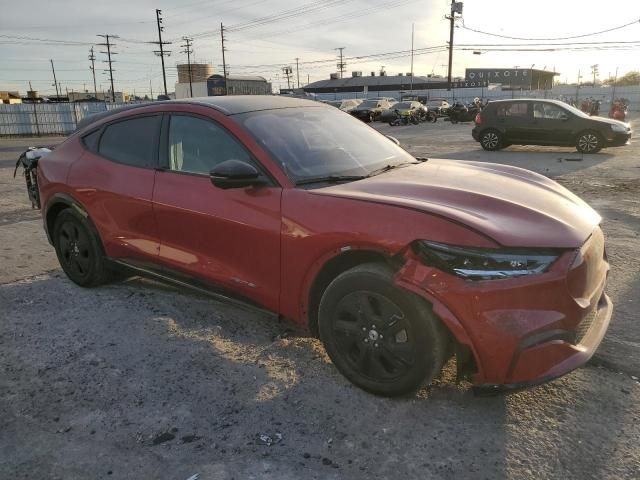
<point>114,181</point>
<point>514,119</point>
<point>227,238</point>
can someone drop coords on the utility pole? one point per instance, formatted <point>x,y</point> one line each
<point>578,88</point>
<point>162,52</point>
<point>224,62</point>
<point>412,28</point>
<point>92,57</point>
<point>456,7</point>
<point>298,71</point>
<point>287,73</point>
<point>188,50</point>
<point>595,72</point>
<point>55,82</point>
<point>109,45</point>
<point>151,89</point>
<point>341,65</point>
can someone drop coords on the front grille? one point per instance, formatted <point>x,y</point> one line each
<point>585,325</point>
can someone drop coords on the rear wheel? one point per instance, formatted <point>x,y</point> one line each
<point>79,250</point>
<point>589,142</point>
<point>383,339</point>
<point>491,140</point>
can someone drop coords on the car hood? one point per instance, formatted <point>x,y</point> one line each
<point>513,206</point>
<point>610,121</point>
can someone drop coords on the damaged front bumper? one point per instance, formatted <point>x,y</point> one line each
<point>522,331</point>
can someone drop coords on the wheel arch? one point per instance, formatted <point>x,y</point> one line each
<point>59,202</point>
<point>330,269</point>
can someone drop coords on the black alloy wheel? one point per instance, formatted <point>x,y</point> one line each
<point>78,250</point>
<point>385,340</point>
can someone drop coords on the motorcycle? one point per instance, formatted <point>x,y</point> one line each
<point>404,118</point>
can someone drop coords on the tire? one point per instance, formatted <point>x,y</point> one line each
<point>383,339</point>
<point>372,118</point>
<point>79,250</point>
<point>491,140</point>
<point>589,142</point>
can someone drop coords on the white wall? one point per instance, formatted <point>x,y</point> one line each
<point>199,90</point>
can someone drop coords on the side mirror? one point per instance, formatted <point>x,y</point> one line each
<point>393,139</point>
<point>564,117</point>
<point>235,174</point>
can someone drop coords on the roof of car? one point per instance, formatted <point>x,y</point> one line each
<point>547,100</point>
<point>229,105</point>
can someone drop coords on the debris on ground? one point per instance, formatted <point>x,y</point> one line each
<point>269,440</point>
<point>162,438</point>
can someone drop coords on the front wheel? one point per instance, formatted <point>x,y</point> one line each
<point>383,339</point>
<point>588,142</point>
<point>491,140</point>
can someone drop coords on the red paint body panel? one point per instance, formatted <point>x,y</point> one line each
<point>268,244</point>
<point>227,237</point>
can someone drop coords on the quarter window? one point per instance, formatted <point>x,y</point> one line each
<point>132,142</point>
<point>512,110</point>
<point>197,145</point>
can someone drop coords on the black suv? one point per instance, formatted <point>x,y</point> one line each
<point>545,122</point>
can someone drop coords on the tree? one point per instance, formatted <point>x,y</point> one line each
<point>629,78</point>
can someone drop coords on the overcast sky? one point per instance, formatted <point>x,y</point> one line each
<point>311,30</point>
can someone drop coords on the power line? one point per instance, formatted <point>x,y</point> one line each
<point>550,39</point>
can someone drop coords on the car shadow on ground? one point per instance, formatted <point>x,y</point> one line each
<point>93,377</point>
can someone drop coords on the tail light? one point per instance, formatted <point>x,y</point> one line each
<point>478,119</point>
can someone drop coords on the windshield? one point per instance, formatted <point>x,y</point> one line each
<point>369,104</point>
<point>402,106</point>
<point>315,142</point>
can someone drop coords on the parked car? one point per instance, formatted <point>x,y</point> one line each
<point>438,105</point>
<point>546,122</point>
<point>371,110</point>
<point>290,207</point>
<point>345,105</point>
<point>414,108</point>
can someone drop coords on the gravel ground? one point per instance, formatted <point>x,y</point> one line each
<point>137,380</point>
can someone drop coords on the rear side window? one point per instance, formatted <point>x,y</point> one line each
<point>132,142</point>
<point>517,109</point>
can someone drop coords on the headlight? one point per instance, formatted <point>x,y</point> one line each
<point>485,264</point>
<point>618,128</point>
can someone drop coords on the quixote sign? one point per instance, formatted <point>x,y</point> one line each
<point>506,76</point>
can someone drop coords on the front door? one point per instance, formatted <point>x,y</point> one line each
<point>227,238</point>
<point>551,124</point>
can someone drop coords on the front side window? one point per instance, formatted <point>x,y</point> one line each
<point>197,145</point>
<point>132,142</point>
<point>310,142</point>
<point>518,109</point>
<point>547,110</point>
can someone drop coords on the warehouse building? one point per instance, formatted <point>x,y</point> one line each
<point>206,84</point>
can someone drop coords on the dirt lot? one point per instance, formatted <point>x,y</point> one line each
<point>137,380</point>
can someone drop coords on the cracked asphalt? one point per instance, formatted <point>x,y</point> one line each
<point>137,380</point>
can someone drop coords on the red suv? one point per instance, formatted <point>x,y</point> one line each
<point>294,207</point>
